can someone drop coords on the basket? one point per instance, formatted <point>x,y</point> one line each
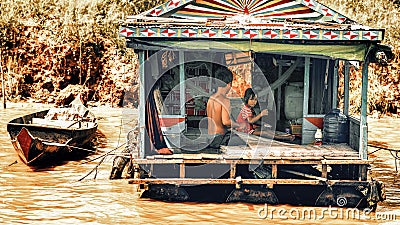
<point>296,129</point>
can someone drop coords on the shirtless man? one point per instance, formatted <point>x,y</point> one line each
<point>219,108</point>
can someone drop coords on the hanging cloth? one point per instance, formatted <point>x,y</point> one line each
<point>153,126</point>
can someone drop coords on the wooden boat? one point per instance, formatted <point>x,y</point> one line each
<point>53,136</point>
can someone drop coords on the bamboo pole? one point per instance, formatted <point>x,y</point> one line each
<point>2,82</point>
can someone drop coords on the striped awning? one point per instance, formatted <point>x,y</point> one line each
<point>270,21</point>
<point>266,9</point>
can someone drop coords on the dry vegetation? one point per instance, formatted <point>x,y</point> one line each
<point>384,81</point>
<point>46,45</point>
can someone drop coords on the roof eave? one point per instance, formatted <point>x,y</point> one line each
<point>253,33</point>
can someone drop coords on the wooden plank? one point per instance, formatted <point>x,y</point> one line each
<point>151,170</point>
<point>342,158</point>
<point>291,151</point>
<point>354,133</point>
<point>200,181</point>
<point>224,161</point>
<point>324,171</point>
<point>269,161</point>
<point>55,123</point>
<point>233,170</point>
<point>274,171</point>
<point>300,159</point>
<point>190,161</point>
<point>222,181</point>
<point>363,172</point>
<point>305,175</point>
<point>290,161</point>
<point>182,170</point>
<point>347,162</point>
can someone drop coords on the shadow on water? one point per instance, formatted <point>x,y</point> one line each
<point>101,139</point>
<point>88,151</point>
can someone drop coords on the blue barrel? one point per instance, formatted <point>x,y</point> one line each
<point>336,127</point>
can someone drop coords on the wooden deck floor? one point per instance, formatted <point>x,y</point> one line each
<point>290,152</point>
<point>277,149</point>
<point>267,149</point>
<point>256,151</point>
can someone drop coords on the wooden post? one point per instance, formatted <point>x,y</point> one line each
<point>274,171</point>
<point>151,172</point>
<point>278,101</point>
<point>3,90</point>
<point>233,170</point>
<point>363,118</point>
<point>182,94</point>
<point>346,87</point>
<point>335,85</point>
<point>142,103</point>
<point>306,94</point>
<point>324,173</point>
<point>182,170</point>
<point>363,172</point>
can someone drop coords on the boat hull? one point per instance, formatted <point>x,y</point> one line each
<point>341,194</point>
<point>44,146</point>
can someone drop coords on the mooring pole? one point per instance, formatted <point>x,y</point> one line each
<point>3,90</point>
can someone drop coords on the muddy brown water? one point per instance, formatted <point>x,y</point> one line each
<point>56,196</point>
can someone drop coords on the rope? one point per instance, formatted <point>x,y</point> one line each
<point>382,148</point>
<point>393,152</point>
<point>103,156</point>
<point>373,151</point>
<point>395,156</point>
<point>13,163</point>
<point>94,169</point>
<point>69,146</point>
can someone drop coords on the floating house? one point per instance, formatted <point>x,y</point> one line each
<point>293,54</point>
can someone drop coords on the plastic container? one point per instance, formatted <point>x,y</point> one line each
<point>336,127</point>
<point>294,100</point>
<point>318,137</point>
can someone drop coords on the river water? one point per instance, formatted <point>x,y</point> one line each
<point>56,196</point>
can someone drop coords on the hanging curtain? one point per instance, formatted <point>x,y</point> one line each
<point>153,123</point>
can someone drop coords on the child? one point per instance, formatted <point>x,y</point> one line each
<point>248,117</point>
